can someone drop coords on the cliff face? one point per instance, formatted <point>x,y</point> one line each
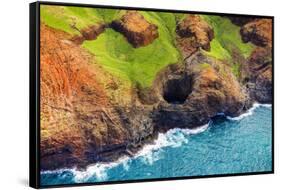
<point>259,65</point>
<point>189,94</point>
<point>192,93</point>
<point>77,118</point>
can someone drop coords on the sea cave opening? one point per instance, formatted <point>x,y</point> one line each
<point>176,90</point>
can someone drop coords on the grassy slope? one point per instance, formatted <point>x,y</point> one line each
<point>63,17</point>
<point>113,52</point>
<point>140,65</point>
<point>227,40</point>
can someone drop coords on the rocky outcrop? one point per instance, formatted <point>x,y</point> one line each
<point>190,94</point>
<point>259,74</point>
<point>90,33</point>
<point>138,31</point>
<point>195,33</point>
<point>259,32</point>
<point>240,20</point>
<point>263,88</point>
<point>258,68</point>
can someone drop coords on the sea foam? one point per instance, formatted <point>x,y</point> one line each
<point>148,155</point>
<point>249,111</point>
<point>172,138</point>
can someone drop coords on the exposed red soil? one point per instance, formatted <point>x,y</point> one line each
<point>76,115</point>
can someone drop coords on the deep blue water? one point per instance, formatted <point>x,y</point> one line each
<point>224,146</point>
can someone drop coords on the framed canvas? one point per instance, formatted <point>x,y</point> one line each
<point>123,94</point>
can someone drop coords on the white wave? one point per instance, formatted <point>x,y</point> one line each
<point>196,130</point>
<point>172,138</point>
<point>249,111</point>
<point>148,154</point>
<point>266,105</point>
<point>98,170</point>
<point>55,171</point>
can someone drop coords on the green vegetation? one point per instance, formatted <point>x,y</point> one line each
<point>67,18</point>
<point>167,20</point>
<point>236,69</point>
<point>204,65</point>
<point>227,39</point>
<point>227,42</point>
<point>112,51</point>
<point>140,65</point>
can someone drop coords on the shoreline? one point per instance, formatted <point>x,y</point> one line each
<point>145,151</point>
<point>249,111</point>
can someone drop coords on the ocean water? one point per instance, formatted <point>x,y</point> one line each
<point>224,146</point>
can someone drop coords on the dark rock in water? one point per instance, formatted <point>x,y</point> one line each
<point>196,28</point>
<point>259,32</point>
<point>136,29</point>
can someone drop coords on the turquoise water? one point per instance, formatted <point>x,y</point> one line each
<point>224,146</point>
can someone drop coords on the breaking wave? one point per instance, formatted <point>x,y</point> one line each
<point>148,155</point>
<point>175,140</point>
<point>248,112</point>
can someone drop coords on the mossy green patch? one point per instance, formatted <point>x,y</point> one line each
<point>227,38</point>
<point>236,69</point>
<point>204,66</point>
<point>227,44</point>
<point>112,50</point>
<point>69,19</point>
<point>139,65</point>
<point>218,51</point>
<point>169,21</point>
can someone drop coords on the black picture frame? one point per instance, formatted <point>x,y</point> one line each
<point>34,93</point>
